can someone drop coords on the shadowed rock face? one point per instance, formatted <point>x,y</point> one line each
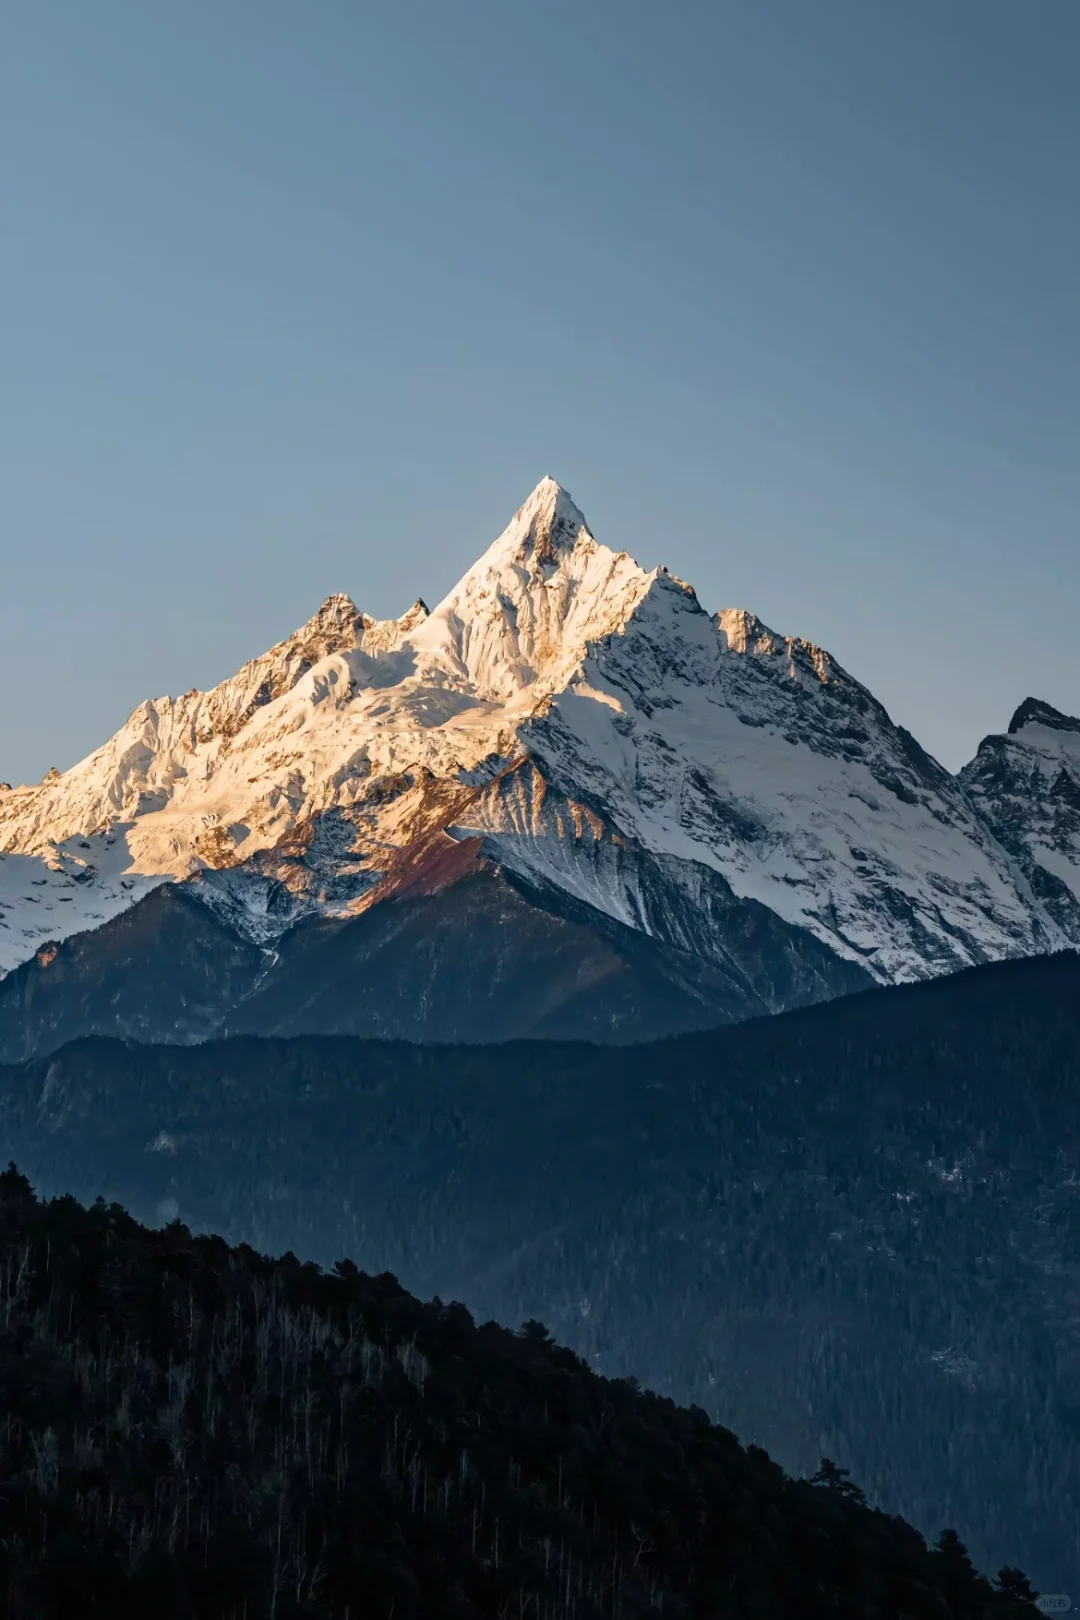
<point>1026,785</point>
<point>448,947</point>
<point>851,1230</point>
<point>165,970</point>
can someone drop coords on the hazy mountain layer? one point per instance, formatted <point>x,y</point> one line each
<point>852,1231</point>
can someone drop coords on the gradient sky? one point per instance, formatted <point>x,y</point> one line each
<point>297,299</point>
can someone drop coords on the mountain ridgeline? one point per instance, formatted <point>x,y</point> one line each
<point>849,1231</point>
<point>566,802</point>
<point>195,1432</point>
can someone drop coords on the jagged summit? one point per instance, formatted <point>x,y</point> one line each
<point>549,521</point>
<point>744,632</point>
<point>554,521</point>
<point>337,609</point>
<point>676,757</point>
<point>518,623</point>
<point>1026,784</point>
<point>1033,711</point>
<point>336,614</point>
<point>543,533</point>
<point>544,530</point>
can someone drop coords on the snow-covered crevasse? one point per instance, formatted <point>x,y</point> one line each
<point>698,744</point>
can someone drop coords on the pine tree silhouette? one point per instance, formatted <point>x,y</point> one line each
<point>837,1479</point>
<point>1015,1584</point>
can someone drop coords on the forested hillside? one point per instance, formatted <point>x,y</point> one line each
<point>852,1231</point>
<point>194,1430</point>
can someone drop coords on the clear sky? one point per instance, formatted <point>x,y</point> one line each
<point>305,298</point>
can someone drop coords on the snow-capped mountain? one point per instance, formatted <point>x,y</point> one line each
<point>1027,786</point>
<point>573,723</point>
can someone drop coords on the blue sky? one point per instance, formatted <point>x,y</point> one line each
<point>298,299</point>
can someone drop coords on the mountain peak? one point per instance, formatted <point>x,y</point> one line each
<point>550,494</point>
<point>545,529</point>
<point>336,605</point>
<point>525,612</point>
<point>743,632</point>
<point>709,741</point>
<point>1033,711</point>
<point>336,619</point>
<point>547,524</point>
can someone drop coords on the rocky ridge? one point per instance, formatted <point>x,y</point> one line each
<point>1026,784</point>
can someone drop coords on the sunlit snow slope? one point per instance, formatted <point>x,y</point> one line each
<point>587,725</point>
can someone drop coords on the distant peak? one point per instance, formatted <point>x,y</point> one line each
<point>1034,712</point>
<point>338,620</point>
<point>744,632</point>
<point>337,609</point>
<point>335,626</point>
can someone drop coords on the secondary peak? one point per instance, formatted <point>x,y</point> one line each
<point>1034,712</point>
